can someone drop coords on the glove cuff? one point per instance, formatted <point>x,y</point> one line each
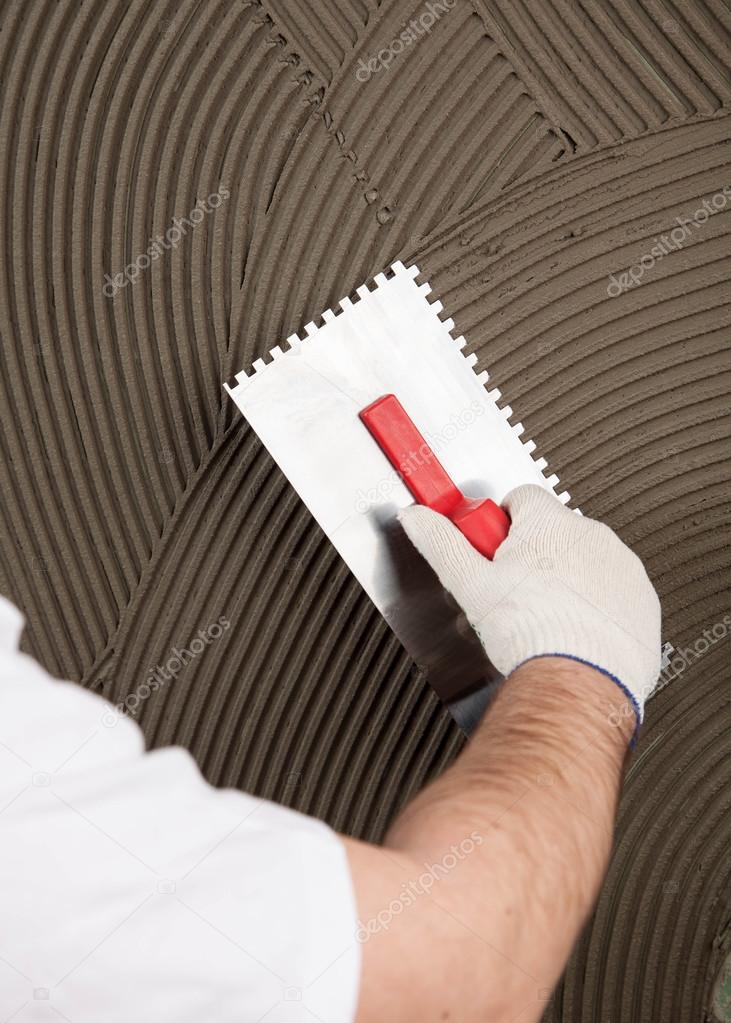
<point>572,629</point>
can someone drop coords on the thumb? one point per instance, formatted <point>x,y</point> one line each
<point>459,567</point>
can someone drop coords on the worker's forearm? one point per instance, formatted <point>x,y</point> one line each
<point>516,835</point>
<point>539,784</point>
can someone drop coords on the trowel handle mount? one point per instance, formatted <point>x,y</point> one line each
<point>483,522</point>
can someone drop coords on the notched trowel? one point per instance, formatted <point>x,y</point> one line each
<point>382,383</point>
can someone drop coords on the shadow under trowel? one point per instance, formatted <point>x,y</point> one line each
<point>433,628</point>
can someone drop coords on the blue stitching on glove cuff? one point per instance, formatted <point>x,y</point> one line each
<point>597,667</point>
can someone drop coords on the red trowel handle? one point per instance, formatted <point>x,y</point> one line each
<point>483,522</point>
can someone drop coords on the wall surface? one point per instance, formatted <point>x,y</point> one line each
<point>547,166</point>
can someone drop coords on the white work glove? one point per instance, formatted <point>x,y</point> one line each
<point>560,584</point>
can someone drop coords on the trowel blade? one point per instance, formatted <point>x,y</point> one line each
<point>304,404</point>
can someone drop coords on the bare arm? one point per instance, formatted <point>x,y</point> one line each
<point>471,908</point>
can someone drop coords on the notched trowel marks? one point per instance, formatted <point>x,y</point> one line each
<point>615,68</point>
<point>522,152</point>
<point>316,91</point>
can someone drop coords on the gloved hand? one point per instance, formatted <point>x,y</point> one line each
<point>560,584</point>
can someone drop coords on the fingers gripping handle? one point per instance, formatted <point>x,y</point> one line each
<point>483,522</point>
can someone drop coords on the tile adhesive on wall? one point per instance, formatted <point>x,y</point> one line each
<point>186,183</point>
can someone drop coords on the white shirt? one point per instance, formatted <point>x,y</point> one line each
<point>131,891</point>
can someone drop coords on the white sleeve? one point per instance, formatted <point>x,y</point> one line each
<point>130,889</point>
